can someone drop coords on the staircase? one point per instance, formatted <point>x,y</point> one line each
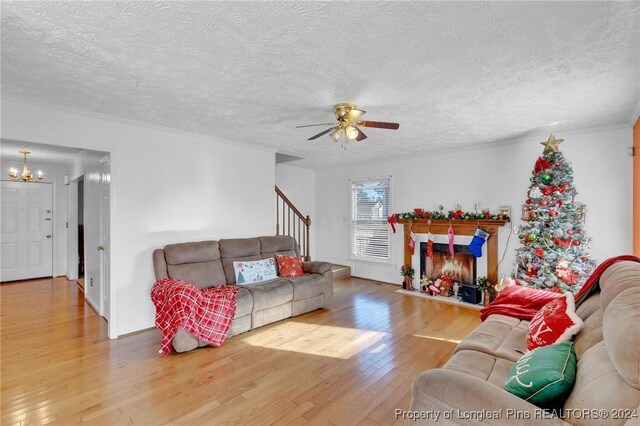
<point>289,221</point>
<point>340,271</point>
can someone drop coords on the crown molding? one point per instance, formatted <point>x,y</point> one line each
<point>135,123</point>
<point>482,145</point>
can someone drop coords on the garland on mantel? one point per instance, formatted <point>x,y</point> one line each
<point>451,215</point>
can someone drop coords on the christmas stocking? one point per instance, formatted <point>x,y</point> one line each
<point>475,246</point>
<point>451,237</point>
<point>412,242</point>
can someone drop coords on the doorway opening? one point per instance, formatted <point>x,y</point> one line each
<point>80,213</point>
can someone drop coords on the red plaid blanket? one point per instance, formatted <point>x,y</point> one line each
<point>205,313</point>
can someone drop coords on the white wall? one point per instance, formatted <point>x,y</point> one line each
<point>494,176</point>
<point>53,173</point>
<point>299,185</point>
<point>166,187</point>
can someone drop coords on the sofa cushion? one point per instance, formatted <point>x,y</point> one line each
<point>244,303</point>
<point>495,337</point>
<point>307,286</point>
<point>281,244</point>
<point>235,250</point>
<point>289,266</point>
<point>621,332</point>
<point>616,278</point>
<point>598,385</point>
<point>556,322</point>
<point>481,365</point>
<point>270,294</point>
<point>199,251</point>
<point>254,271</point>
<point>202,274</point>
<point>588,306</point>
<point>591,333</point>
<point>545,375</point>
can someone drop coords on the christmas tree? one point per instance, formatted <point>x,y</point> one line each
<point>554,253</point>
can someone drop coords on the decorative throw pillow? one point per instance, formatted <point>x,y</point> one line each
<point>254,271</point>
<point>289,266</point>
<point>545,375</point>
<point>556,322</point>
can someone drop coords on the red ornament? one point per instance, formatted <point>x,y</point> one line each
<point>541,164</point>
<point>584,258</point>
<point>576,243</point>
<point>527,279</point>
<point>553,213</point>
<point>547,190</point>
<point>538,252</point>
<point>570,231</point>
<point>581,232</point>
<point>543,202</point>
<point>559,203</point>
<point>528,201</point>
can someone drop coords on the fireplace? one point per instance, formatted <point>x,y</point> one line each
<point>461,267</point>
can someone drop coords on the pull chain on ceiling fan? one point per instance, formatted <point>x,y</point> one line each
<point>348,124</point>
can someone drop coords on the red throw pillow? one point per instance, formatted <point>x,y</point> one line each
<point>289,266</point>
<point>556,322</point>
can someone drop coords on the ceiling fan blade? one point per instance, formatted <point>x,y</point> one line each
<point>379,124</point>
<point>321,124</point>
<point>321,134</point>
<point>361,136</point>
<point>354,114</point>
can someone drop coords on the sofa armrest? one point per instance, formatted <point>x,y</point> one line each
<point>316,267</point>
<point>464,398</point>
<point>323,268</point>
<point>159,264</point>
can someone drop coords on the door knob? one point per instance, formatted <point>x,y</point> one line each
<point>49,236</point>
<point>100,248</point>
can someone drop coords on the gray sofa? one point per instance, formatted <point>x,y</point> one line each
<point>210,263</point>
<point>608,369</point>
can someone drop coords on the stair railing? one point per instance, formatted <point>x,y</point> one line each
<point>289,221</point>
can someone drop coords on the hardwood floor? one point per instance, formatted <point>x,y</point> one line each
<point>353,364</point>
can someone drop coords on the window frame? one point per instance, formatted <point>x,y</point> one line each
<point>352,220</point>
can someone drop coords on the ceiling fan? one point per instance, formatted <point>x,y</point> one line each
<point>348,124</point>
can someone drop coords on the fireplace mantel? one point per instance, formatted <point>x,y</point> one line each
<point>460,227</point>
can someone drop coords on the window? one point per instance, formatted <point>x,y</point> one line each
<point>370,205</point>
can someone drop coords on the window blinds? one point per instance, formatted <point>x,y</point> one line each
<point>369,210</point>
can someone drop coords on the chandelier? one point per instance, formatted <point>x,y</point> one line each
<point>26,176</point>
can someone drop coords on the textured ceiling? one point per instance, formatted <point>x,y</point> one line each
<point>451,73</point>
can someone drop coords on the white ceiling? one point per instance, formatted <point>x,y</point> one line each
<point>451,73</point>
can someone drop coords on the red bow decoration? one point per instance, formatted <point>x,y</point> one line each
<point>562,243</point>
<point>541,164</point>
<point>457,214</point>
<point>548,190</point>
<point>392,220</point>
<point>538,252</point>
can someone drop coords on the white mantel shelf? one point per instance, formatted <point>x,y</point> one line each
<point>449,300</point>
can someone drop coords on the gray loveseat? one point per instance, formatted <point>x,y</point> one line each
<point>608,370</point>
<point>210,263</point>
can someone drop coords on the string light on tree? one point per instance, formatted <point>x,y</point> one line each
<point>554,251</point>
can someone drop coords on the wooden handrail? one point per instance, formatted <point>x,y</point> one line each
<point>288,225</point>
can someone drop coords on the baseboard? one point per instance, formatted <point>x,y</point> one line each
<point>375,281</point>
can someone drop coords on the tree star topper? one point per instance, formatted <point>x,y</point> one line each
<point>551,145</point>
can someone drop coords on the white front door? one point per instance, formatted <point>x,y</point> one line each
<point>27,225</point>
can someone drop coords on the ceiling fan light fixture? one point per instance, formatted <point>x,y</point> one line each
<point>335,134</point>
<point>351,132</point>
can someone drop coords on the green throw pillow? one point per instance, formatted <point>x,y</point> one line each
<point>544,375</point>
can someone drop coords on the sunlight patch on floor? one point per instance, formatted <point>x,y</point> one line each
<point>440,339</point>
<point>315,339</point>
